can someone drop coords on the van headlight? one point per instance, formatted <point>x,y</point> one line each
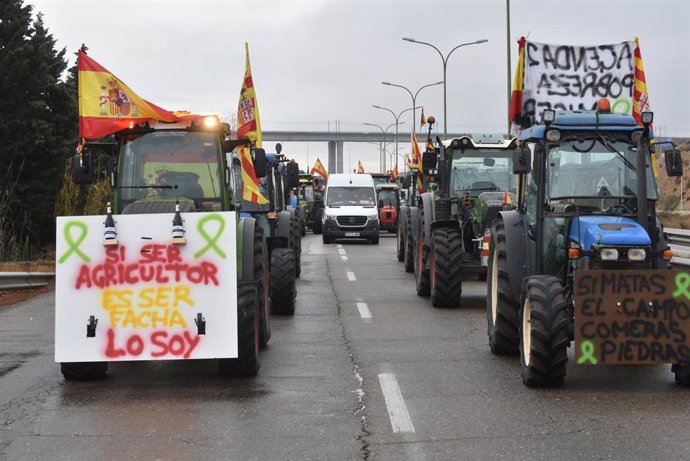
<point>329,217</point>
<point>373,217</point>
<point>637,254</point>
<point>608,254</point>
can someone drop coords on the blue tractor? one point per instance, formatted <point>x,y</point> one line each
<point>586,210</point>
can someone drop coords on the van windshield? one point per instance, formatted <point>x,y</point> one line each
<point>351,196</point>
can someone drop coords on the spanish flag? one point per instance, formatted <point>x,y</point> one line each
<point>248,122</point>
<point>320,169</point>
<point>250,183</point>
<point>360,168</point>
<point>640,95</point>
<point>107,105</point>
<point>518,84</point>
<point>422,121</point>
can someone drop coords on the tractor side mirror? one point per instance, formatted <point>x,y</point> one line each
<point>674,163</point>
<point>82,168</point>
<point>522,163</point>
<point>292,179</point>
<point>429,160</point>
<point>260,162</point>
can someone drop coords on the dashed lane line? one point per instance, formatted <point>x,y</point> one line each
<point>351,276</point>
<point>343,257</point>
<point>397,410</point>
<point>364,311</point>
<point>341,251</point>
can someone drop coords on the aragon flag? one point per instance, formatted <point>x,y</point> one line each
<point>249,127</point>
<point>518,83</point>
<point>107,105</point>
<point>417,159</point>
<point>320,169</point>
<point>640,95</point>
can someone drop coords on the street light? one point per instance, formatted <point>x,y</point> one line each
<point>414,98</point>
<point>397,122</point>
<point>382,157</point>
<point>445,62</point>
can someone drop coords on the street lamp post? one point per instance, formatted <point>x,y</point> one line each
<point>397,122</point>
<point>382,157</point>
<point>445,63</point>
<point>413,96</point>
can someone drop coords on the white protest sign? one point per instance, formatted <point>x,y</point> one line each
<point>564,77</point>
<point>146,293</point>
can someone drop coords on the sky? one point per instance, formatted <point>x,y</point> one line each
<point>318,64</point>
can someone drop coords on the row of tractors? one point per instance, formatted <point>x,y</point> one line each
<point>540,216</point>
<point>194,167</point>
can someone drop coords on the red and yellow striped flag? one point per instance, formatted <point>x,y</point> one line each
<point>320,169</point>
<point>248,121</point>
<point>250,183</point>
<point>394,173</point>
<point>107,105</point>
<point>516,97</point>
<point>360,168</point>
<point>417,159</point>
<point>640,95</point>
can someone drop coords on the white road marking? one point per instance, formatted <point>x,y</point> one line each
<point>397,410</point>
<point>340,246</point>
<point>364,311</point>
<point>351,277</point>
<point>341,251</point>
<point>343,257</point>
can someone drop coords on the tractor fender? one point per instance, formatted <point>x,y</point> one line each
<point>516,246</point>
<point>245,251</point>
<point>427,201</point>
<point>284,227</point>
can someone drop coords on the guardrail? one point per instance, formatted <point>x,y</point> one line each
<point>12,280</point>
<point>679,240</point>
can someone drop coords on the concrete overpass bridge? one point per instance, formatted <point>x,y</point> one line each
<point>336,140</point>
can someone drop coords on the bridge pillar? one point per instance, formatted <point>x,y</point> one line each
<point>331,157</point>
<point>339,155</point>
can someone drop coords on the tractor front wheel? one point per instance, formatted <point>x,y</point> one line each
<point>247,362</point>
<point>544,327</point>
<point>421,273</point>
<point>682,373</point>
<point>400,244</point>
<point>317,226</point>
<point>282,282</point>
<point>83,371</point>
<point>446,267</point>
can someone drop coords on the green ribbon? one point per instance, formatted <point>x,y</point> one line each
<point>211,241</point>
<point>682,282</point>
<point>587,351</point>
<point>74,244</point>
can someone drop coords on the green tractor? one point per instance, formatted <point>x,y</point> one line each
<point>584,258</point>
<point>182,170</point>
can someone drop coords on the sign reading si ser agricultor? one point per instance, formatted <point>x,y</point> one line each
<point>632,317</point>
<point>146,293</point>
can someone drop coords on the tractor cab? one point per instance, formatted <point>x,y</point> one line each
<point>388,200</point>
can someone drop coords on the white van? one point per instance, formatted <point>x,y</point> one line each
<point>350,208</point>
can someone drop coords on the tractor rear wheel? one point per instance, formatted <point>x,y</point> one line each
<point>400,243</point>
<point>247,362</point>
<point>544,339</point>
<point>446,267</point>
<point>502,311</point>
<point>421,273</point>
<point>83,371</point>
<point>282,282</point>
<point>408,261</point>
<point>317,226</point>
<point>682,373</point>
<point>296,239</point>
<point>261,279</point>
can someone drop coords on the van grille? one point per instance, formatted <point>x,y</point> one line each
<point>351,221</point>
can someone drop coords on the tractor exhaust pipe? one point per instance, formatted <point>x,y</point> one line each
<point>642,150</point>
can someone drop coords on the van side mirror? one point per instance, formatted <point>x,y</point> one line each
<point>82,168</point>
<point>522,162</point>
<point>260,162</point>
<point>674,163</point>
<point>292,178</point>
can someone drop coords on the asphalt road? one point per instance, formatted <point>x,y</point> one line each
<point>365,369</point>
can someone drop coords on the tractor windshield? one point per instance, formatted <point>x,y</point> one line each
<point>595,169</point>
<point>389,196</point>
<point>477,171</point>
<point>171,164</point>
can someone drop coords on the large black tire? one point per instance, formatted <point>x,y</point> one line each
<point>375,240</point>
<point>261,278</point>
<point>317,226</point>
<point>326,240</point>
<point>682,373</point>
<point>296,238</point>
<point>83,371</point>
<point>544,332</point>
<point>247,362</point>
<point>446,267</point>
<point>421,272</point>
<point>400,243</point>
<point>408,261</point>
<point>502,311</point>
<point>282,282</point>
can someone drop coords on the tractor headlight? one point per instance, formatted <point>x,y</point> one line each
<point>553,135</point>
<point>635,136</point>
<point>608,254</point>
<point>637,254</point>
